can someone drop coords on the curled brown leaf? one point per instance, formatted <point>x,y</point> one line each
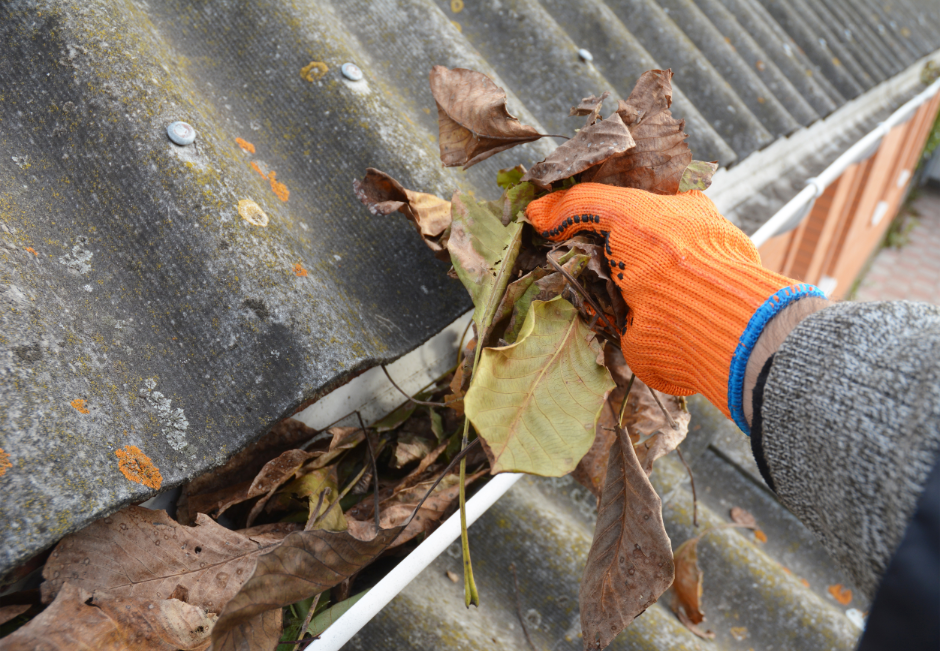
<point>430,215</point>
<point>660,157</point>
<point>472,116</point>
<point>592,146</point>
<point>591,107</point>
<point>688,588</point>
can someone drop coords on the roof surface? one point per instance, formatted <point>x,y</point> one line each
<point>138,307</point>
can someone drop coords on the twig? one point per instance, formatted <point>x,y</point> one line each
<point>692,480</point>
<point>375,469</point>
<point>623,407</point>
<point>316,512</point>
<point>515,582</point>
<point>415,400</point>
<point>346,490</point>
<point>313,607</point>
<point>672,423</point>
<point>574,283</point>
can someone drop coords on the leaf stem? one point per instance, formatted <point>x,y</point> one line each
<point>375,469</point>
<point>623,407</point>
<point>672,423</point>
<point>692,480</point>
<point>471,596</point>
<point>574,283</point>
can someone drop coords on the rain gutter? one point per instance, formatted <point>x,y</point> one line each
<point>795,210</point>
<point>431,360</point>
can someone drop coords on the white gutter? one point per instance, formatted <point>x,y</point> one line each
<point>418,368</point>
<point>793,212</point>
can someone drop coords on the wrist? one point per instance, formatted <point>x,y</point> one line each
<point>770,339</point>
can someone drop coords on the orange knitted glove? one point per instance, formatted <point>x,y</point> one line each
<point>698,296</point>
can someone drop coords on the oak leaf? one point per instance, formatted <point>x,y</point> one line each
<point>591,147</point>
<point>430,215</point>
<point>630,563</point>
<point>660,157</point>
<point>472,117</point>
<point>534,403</point>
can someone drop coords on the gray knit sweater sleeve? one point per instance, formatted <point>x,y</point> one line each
<point>851,426</point>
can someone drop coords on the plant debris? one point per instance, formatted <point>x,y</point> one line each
<point>270,548</point>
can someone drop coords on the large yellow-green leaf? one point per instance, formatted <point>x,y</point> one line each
<point>483,252</point>
<point>534,403</point>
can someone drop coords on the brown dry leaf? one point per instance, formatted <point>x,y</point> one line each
<point>142,553</point>
<point>591,107</point>
<point>410,448</point>
<point>78,619</point>
<point>268,534</point>
<point>472,116</point>
<point>742,517</point>
<point>592,146</point>
<point>592,468</point>
<point>630,562</point>
<point>396,510</point>
<point>275,473</point>
<point>648,426</point>
<point>286,435</point>
<point>660,157</point>
<point>9,612</point>
<point>304,564</point>
<point>688,588</point>
<point>431,216</point>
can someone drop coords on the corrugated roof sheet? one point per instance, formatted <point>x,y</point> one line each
<point>152,314</point>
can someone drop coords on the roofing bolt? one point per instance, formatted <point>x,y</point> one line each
<point>351,71</point>
<point>585,55</point>
<point>181,133</point>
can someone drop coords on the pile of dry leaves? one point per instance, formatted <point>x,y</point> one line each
<point>273,546</point>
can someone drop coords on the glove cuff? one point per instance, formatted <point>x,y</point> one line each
<point>748,340</point>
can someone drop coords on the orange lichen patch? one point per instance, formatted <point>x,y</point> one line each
<point>254,166</point>
<point>313,70</point>
<point>279,188</point>
<point>252,213</point>
<point>760,535</point>
<point>299,270</point>
<point>4,462</point>
<point>840,594</point>
<point>805,583</point>
<point>79,404</point>
<point>31,250</point>
<point>137,467</point>
<point>244,144</point>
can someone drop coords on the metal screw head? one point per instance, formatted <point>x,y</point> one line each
<point>181,133</point>
<point>584,54</point>
<point>351,71</point>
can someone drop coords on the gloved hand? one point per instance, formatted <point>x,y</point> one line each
<point>698,295</point>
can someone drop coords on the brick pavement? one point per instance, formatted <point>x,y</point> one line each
<point>913,271</point>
